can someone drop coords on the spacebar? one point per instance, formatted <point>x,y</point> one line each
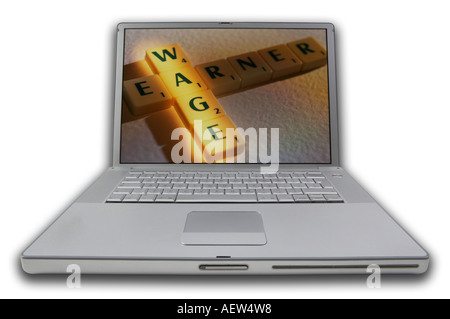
<point>217,198</point>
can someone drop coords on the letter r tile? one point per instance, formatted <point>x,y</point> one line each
<point>219,76</point>
<point>312,54</point>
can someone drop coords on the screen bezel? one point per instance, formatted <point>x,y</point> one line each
<point>334,141</point>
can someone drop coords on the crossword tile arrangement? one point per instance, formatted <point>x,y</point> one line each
<point>167,78</point>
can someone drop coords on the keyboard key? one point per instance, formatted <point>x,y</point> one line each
<point>129,186</point>
<point>294,191</point>
<point>131,198</point>
<point>301,198</point>
<point>232,192</point>
<point>186,191</point>
<point>170,192</point>
<point>165,185</point>
<point>319,191</point>
<point>285,198</point>
<point>314,185</point>
<point>316,173</point>
<point>139,191</point>
<point>147,198</point>
<point>167,58</point>
<point>252,69</point>
<point>166,198</point>
<point>122,191</point>
<point>134,176</point>
<point>133,181</point>
<point>333,198</point>
<point>317,198</point>
<point>298,174</point>
<point>219,76</point>
<point>217,192</point>
<point>281,60</point>
<point>115,198</point>
<point>267,198</point>
<point>146,95</point>
<point>216,198</point>
<point>326,184</point>
<point>154,191</point>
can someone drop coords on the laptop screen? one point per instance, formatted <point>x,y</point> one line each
<point>225,96</point>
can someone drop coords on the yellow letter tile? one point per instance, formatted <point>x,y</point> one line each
<point>281,60</point>
<point>136,70</point>
<point>167,58</point>
<point>312,54</point>
<point>251,68</point>
<point>219,76</point>
<point>202,105</point>
<point>183,81</point>
<point>147,94</point>
<point>215,144</point>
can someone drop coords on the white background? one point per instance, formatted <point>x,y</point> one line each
<point>56,84</point>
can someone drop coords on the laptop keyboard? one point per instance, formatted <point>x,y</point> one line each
<point>223,187</point>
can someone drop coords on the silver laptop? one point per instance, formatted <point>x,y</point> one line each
<point>225,161</point>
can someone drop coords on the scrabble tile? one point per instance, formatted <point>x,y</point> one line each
<point>201,105</point>
<point>281,60</point>
<point>310,52</point>
<point>251,68</point>
<point>146,95</point>
<point>136,70</point>
<point>183,81</point>
<point>219,76</point>
<point>167,58</point>
<point>215,142</point>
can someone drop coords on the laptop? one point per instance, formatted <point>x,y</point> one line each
<point>225,161</point>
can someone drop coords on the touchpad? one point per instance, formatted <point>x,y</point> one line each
<point>224,228</point>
